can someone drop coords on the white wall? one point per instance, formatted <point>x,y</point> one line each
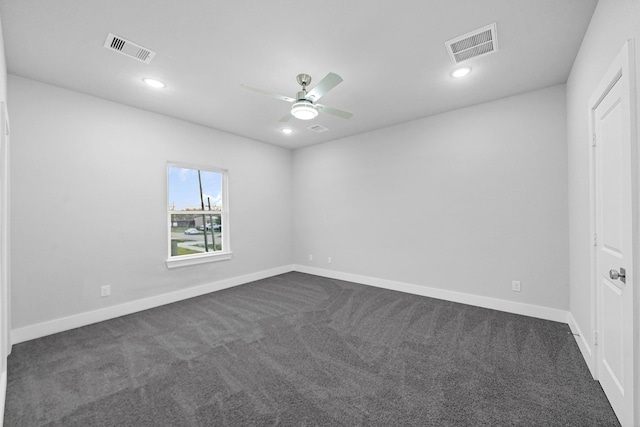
<point>3,69</point>
<point>89,202</point>
<point>613,23</point>
<point>5,346</point>
<point>466,201</point>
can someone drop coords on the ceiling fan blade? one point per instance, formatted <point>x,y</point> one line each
<point>330,81</point>
<point>334,111</point>
<point>271,94</point>
<point>285,118</point>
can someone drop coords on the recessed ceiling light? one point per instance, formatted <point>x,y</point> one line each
<point>154,83</point>
<point>287,131</point>
<point>460,72</point>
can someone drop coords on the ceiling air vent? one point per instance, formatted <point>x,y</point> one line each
<point>471,45</point>
<point>128,48</point>
<point>318,128</point>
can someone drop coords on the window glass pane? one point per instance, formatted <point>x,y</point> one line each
<point>195,233</point>
<point>185,192</point>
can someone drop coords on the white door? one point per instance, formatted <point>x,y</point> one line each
<point>611,125</point>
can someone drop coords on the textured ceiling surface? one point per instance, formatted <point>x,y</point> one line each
<point>391,55</point>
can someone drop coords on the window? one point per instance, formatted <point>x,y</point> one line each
<point>197,214</point>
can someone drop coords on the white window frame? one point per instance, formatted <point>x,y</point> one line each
<point>205,257</point>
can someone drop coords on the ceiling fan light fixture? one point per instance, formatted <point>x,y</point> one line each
<point>304,110</point>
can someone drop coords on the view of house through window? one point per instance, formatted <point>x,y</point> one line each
<point>197,211</point>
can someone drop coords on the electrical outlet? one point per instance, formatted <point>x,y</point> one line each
<point>310,257</point>
<point>329,260</point>
<point>105,291</point>
<point>515,285</point>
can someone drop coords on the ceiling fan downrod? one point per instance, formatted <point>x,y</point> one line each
<point>303,80</point>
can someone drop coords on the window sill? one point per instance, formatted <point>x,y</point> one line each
<point>184,261</point>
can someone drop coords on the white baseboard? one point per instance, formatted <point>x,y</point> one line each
<point>30,332</point>
<point>83,319</point>
<point>537,311</point>
<point>583,343</point>
<point>3,395</point>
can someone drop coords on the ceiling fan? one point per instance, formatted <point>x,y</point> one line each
<point>304,105</point>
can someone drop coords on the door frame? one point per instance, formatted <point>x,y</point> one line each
<point>623,65</point>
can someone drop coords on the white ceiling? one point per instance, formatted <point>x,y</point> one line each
<point>391,55</point>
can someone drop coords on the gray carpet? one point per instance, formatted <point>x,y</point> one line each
<point>301,350</point>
